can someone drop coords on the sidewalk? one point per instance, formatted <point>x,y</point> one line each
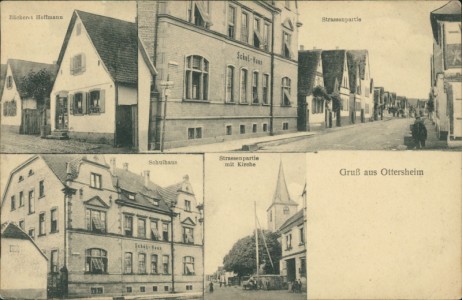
<point>237,145</point>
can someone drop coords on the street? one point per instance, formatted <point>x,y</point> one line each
<point>12,142</point>
<point>379,135</point>
<point>238,293</point>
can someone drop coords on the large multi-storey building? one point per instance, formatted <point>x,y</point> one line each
<point>226,69</point>
<point>446,70</point>
<point>107,231</point>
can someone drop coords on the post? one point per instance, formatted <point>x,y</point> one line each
<point>256,234</point>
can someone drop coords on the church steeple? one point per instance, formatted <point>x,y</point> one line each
<point>282,207</point>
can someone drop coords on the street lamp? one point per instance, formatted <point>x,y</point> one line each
<point>166,85</point>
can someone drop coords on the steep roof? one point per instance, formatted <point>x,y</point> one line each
<point>307,68</point>
<point>281,193</point>
<point>332,68</point>
<point>116,42</point>
<point>295,220</point>
<point>353,66</point>
<point>21,68</point>
<point>12,231</point>
<point>58,165</point>
<point>360,57</point>
<point>451,11</point>
<point>2,78</point>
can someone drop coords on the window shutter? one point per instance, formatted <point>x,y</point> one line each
<point>71,103</point>
<point>84,103</point>
<point>102,101</point>
<point>84,63</point>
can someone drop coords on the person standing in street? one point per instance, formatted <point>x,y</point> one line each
<point>211,287</point>
<point>419,133</point>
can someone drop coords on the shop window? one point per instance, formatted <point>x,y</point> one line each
<point>41,189</point>
<point>95,181</point>
<point>286,89</point>
<point>265,88</point>
<point>155,236</point>
<point>245,27</point>
<point>243,94</point>
<point>54,220</point>
<point>188,235</point>
<point>128,263</point>
<point>154,269</point>
<point>95,220</point>
<point>41,224</point>
<point>165,231</point>
<point>165,264</point>
<point>230,84</point>
<point>141,263</point>
<point>229,130</point>
<point>95,261</point>
<point>78,64</point>
<point>187,205</point>
<point>255,88</point>
<point>31,202</point>
<point>128,225</point>
<point>196,79</point>
<point>231,22</point>
<point>54,261</point>
<point>188,265</point>
<point>9,108</point>
<point>141,227</point>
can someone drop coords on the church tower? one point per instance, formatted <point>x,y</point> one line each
<point>282,207</point>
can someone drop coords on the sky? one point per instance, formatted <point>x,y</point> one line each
<point>162,175</point>
<point>397,35</point>
<point>41,40</point>
<point>230,194</point>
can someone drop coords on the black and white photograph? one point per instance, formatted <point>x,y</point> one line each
<point>255,227</point>
<point>80,226</point>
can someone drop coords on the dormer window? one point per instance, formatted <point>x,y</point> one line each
<point>95,181</point>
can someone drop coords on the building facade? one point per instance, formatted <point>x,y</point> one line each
<point>107,231</point>
<point>20,253</point>
<point>16,104</point>
<point>226,69</point>
<point>95,95</point>
<point>446,70</point>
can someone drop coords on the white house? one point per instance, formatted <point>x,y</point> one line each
<point>23,265</point>
<point>367,84</point>
<point>14,101</point>
<point>95,95</point>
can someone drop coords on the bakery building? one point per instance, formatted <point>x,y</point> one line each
<point>226,69</point>
<point>107,231</point>
<point>95,95</point>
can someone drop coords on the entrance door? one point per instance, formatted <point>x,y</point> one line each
<point>291,270</point>
<point>125,126</point>
<point>62,117</point>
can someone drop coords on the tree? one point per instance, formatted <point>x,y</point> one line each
<point>37,85</point>
<point>337,106</point>
<point>241,259</point>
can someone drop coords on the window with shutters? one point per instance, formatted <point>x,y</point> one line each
<point>188,265</point>
<point>95,220</point>
<point>199,13</point>
<point>196,78</point>
<point>94,106</point>
<point>95,261</point>
<point>77,64</point>
<point>78,104</point>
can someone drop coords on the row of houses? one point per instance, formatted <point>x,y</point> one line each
<point>79,226</point>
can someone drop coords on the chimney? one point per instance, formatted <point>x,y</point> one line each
<point>302,47</point>
<point>113,165</point>
<point>146,178</point>
<point>126,166</point>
